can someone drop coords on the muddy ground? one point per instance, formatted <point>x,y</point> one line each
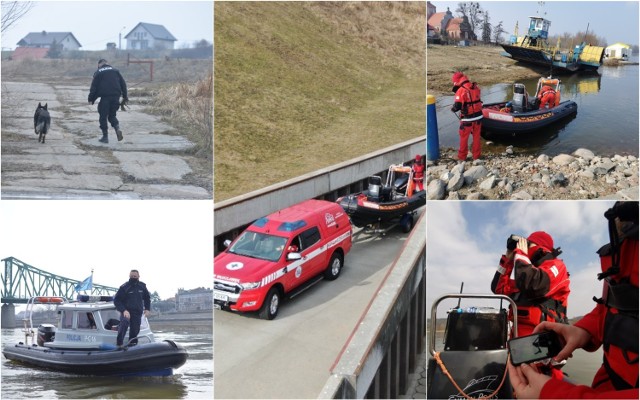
<point>152,162</point>
<point>481,64</point>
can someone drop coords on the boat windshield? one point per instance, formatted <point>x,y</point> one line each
<point>259,245</point>
<point>110,319</point>
<point>86,320</point>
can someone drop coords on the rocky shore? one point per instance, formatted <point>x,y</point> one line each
<point>509,176</point>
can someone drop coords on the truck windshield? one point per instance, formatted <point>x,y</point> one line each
<point>259,245</point>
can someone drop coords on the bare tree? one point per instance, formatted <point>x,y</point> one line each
<point>486,28</point>
<point>12,11</point>
<point>473,12</point>
<point>497,32</point>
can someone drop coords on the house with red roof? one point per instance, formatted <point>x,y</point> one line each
<point>446,26</point>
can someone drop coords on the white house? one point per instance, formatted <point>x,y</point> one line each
<point>45,39</point>
<point>149,36</point>
<point>620,51</point>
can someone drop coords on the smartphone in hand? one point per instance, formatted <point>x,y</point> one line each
<point>536,347</point>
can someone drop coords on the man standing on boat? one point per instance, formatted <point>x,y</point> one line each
<point>132,300</point>
<point>418,173</point>
<point>468,102</point>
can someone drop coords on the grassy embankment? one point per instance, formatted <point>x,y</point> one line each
<point>181,90</point>
<point>301,86</point>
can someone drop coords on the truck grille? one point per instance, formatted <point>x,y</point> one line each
<point>226,287</point>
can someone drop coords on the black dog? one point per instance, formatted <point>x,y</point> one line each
<point>41,121</point>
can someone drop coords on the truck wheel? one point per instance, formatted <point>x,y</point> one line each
<point>271,305</point>
<point>334,267</point>
<point>406,223</point>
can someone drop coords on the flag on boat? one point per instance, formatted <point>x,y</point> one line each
<point>86,284</point>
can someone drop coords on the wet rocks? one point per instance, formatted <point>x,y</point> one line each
<point>580,175</point>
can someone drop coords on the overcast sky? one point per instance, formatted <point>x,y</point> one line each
<point>617,21</point>
<point>169,242</point>
<point>95,23</point>
<point>466,239</point>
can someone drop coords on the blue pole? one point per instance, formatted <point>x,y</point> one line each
<point>433,142</point>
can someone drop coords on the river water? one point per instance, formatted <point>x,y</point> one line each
<point>606,122</point>
<point>194,380</point>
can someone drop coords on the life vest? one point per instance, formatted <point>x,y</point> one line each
<point>418,172</point>
<point>469,95</point>
<point>545,91</point>
<point>552,306</point>
<point>620,297</point>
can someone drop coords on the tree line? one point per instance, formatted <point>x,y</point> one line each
<point>480,21</point>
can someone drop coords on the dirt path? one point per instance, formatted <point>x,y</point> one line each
<point>148,164</point>
<point>481,64</point>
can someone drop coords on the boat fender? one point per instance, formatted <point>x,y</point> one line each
<point>107,346</point>
<point>172,343</point>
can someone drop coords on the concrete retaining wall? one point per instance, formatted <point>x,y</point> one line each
<point>383,349</point>
<point>242,210</point>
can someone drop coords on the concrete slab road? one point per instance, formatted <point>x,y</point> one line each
<point>148,164</point>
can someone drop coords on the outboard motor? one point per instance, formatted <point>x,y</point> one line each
<point>520,98</point>
<point>46,333</point>
<point>375,183</point>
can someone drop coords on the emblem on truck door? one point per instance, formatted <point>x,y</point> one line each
<point>328,218</point>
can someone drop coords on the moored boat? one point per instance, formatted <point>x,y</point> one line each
<point>395,199</point>
<point>533,48</point>
<point>522,115</point>
<point>84,342</point>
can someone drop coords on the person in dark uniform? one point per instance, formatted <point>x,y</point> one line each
<point>132,300</point>
<point>109,85</point>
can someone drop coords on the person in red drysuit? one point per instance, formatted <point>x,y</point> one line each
<point>538,281</point>
<point>613,323</point>
<point>547,97</point>
<point>418,173</point>
<point>467,101</point>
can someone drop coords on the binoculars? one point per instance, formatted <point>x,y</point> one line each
<point>512,242</point>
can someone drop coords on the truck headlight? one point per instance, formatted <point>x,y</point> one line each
<point>250,285</point>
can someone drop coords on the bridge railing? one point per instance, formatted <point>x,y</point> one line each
<point>384,347</point>
<point>21,281</point>
<point>232,215</point>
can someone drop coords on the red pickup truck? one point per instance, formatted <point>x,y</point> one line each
<point>280,255</point>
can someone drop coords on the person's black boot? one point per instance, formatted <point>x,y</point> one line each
<point>105,137</point>
<point>118,133</point>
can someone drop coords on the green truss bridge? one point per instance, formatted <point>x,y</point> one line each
<point>21,281</point>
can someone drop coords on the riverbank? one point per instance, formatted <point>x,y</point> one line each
<point>482,64</point>
<point>510,176</point>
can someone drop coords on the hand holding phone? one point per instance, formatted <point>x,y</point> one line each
<point>539,346</point>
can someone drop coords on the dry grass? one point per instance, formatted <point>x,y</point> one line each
<point>80,71</point>
<point>189,105</point>
<point>300,86</point>
<point>481,64</point>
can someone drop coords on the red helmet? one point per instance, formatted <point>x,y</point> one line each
<point>458,78</point>
<point>542,239</point>
<point>418,158</point>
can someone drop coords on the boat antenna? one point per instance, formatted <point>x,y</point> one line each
<point>460,299</point>
<point>586,33</point>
